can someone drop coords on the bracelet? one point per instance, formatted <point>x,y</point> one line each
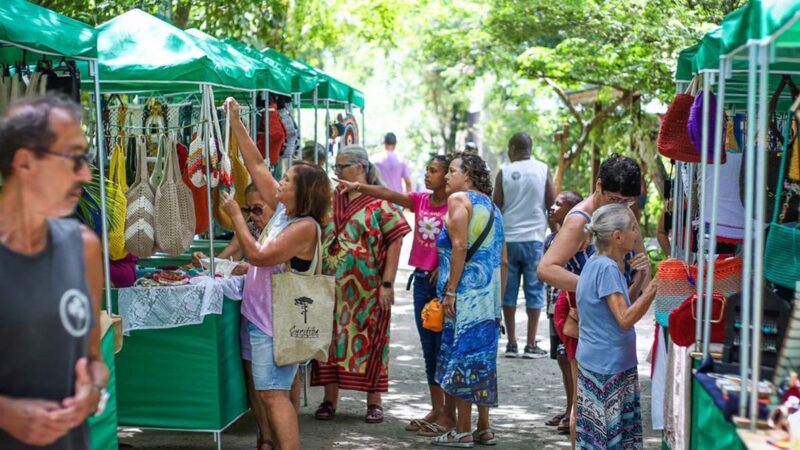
<point>450,294</point>
<point>358,187</point>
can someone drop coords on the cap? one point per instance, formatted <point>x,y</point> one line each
<point>390,139</point>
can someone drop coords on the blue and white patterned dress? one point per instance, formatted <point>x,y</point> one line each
<point>467,363</point>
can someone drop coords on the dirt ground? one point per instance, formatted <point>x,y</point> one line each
<point>530,393</point>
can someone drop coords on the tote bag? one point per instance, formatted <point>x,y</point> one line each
<point>117,184</point>
<point>140,221</point>
<point>302,313</point>
<point>175,220</point>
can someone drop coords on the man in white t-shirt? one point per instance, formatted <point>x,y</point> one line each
<point>524,191</point>
<point>394,169</point>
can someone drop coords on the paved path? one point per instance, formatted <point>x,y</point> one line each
<point>530,392</point>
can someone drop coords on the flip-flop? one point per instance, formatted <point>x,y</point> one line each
<point>555,420</point>
<point>477,436</point>
<point>374,414</point>
<point>325,411</point>
<point>453,439</point>
<point>416,424</point>
<point>432,429</point>
<point>563,426</point>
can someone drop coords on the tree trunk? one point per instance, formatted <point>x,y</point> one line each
<point>562,137</point>
<point>598,106</point>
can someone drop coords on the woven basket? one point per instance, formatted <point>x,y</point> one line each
<point>117,186</point>
<point>673,138</point>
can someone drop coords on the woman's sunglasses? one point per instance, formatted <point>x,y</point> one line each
<point>255,210</point>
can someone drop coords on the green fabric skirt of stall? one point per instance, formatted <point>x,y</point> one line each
<point>103,429</point>
<point>185,378</point>
<point>709,427</point>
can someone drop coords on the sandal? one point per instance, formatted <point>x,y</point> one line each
<point>563,427</point>
<point>374,414</point>
<point>555,420</point>
<point>477,436</point>
<point>416,424</point>
<point>432,429</point>
<point>453,439</point>
<point>325,411</point>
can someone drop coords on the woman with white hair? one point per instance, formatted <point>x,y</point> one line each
<point>363,241</point>
<point>608,408</point>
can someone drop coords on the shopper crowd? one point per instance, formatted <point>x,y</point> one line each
<point>474,245</point>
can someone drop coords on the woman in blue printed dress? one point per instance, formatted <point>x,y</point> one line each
<point>470,287</point>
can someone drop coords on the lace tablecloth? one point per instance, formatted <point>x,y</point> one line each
<point>144,308</point>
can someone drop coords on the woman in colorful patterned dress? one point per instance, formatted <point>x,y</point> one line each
<point>608,406</point>
<point>429,209</point>
<point>471,284</point>
<point>363,242</point>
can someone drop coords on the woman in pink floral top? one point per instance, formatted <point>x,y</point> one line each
<point>429,211</point>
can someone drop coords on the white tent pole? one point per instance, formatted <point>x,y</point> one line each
<point>687,226</point>
<point>206,99</point>
<point>701,207</point>
<point>327,132</point>
<point>712,240</point>
<point>266,129</point>
<point>316,126</point>
<point>747,281</point>
<point>363,129</point>
<point>101,166</point>
<point>758,255</point>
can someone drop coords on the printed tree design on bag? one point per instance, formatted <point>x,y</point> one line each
<point>303,303</point>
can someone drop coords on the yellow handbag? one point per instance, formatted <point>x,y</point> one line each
<point>117,185</point>
<point>433,316</point>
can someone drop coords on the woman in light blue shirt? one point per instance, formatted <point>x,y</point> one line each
<point>608,408</point>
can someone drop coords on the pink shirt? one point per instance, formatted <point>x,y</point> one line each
<point>393,169</point>
<point>429,223</point>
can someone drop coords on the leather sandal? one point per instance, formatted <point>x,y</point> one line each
<point>477,436</point>
<point>453,439</point>
<point>325,411</point>
<point>374,414</point>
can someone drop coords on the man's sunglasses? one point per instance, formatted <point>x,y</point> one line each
<point>255,210</point>
<point>78,159</point>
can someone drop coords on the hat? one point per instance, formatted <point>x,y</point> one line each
<point>390,139</point>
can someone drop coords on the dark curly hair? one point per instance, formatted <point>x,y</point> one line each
<point>621,175</point>
<point>444,160</point>
<point>477,171</point>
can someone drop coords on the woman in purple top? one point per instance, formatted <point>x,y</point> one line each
<point>429,210</point>
<point>304,195</point>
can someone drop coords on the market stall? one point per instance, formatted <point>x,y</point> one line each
<point>755,96</point>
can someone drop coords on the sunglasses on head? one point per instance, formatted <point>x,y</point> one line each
<point>78,159</point>
<point>255,210</point>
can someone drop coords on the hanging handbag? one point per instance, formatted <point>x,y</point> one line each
<point>224,164</point>
<point>436,323</point>
<point>140,220</point>
<point>673,137</point>
<point>175,220</point>
<point>778,143</point>
<point>277,134</point>
<point>571,324</point>
<point>196,162</point>
<point>781,261</point>
<point>677,282</point>
<point>683,321</point>
<point>302,312</point>
<point>695,126</point>
<point>65,79</point>
<point>117,186</point>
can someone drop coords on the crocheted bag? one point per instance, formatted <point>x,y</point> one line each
<point>683,321</point>
<point>678,283</point>
<point>117,186</point>
<point>139,228</point>
<point>292,144</point>
<point>695,126</point>
<point>673,137</point>
<point>175,220</point>
<point>225,179</point>
<point>200,202</point>
<point>196,163</point>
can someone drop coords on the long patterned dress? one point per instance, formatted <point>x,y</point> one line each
<point>467,365</point>
<point>356,240</point>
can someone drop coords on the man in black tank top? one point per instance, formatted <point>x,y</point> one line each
<point>52,376</point>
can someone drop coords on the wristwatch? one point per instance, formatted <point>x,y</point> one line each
<point>101,405</point>
<point>387,284</point>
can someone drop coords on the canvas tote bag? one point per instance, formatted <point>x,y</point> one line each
<point>302,312</point>
<point>175,220</point>
<point>117,186</point>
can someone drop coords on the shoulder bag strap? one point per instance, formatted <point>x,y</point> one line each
<point>484,234</point>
